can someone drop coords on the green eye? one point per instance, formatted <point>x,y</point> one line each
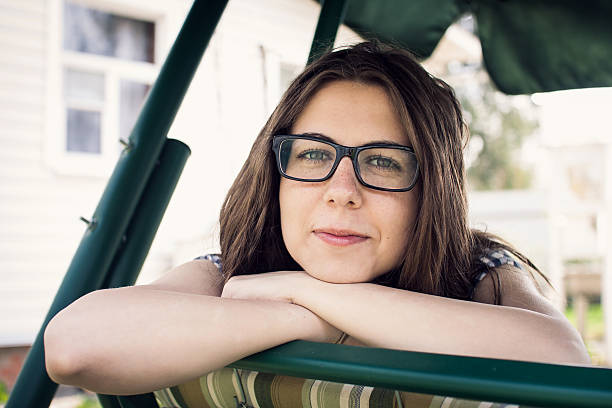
<point>314,155</point>
<point>384,163</point>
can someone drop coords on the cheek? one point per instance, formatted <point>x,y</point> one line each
<point>398,229</point>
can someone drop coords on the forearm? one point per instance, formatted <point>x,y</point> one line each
<point>391,318</point>
<point>133,340</point>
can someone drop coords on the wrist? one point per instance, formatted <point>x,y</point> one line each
<point>306,291</point>
<point>308,326</point>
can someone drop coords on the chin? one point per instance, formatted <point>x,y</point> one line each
<point>342,272</point>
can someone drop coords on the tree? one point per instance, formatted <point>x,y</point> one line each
<point>499,125</point>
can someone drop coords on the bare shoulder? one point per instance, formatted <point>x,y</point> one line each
<point>518,289</point>
<point>199,276</point>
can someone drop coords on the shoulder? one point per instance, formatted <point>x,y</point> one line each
<point>214,258</point>
<point>517,288</point>
<point>200,276</point>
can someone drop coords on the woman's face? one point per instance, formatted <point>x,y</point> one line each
<point>339,230</point>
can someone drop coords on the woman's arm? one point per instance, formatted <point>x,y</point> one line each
<point>137,339</point>
<point>525,327</point>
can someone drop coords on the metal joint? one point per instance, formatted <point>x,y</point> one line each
<point>91,224</point>
<point>127,144</point>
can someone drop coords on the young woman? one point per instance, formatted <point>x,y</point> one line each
<point>348,222</point>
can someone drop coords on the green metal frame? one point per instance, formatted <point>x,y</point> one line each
<point>331,16</point>
<point>118,238</point>
<point>535,384</point>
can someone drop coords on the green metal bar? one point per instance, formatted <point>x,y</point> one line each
<point>98,246</point>
<point>148,215</point>
<point>139,237</point>
<point>108,401</point>
<point>483,379</point>
<point>331,16</point>
<point>138,401</point>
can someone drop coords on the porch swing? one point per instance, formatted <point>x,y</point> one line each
<point>120,233</point>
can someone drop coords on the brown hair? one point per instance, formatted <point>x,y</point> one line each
<point>443,257</point>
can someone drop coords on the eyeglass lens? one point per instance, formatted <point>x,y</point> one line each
<point>384,167</point>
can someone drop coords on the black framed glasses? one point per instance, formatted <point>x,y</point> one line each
<point>385,167</point>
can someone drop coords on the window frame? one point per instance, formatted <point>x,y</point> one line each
<point>56,155</point>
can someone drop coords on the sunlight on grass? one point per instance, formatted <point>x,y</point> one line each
<point>594,331</point>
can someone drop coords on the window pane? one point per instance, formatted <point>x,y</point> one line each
<point>83,85</point>
<point>132,96</point>
<point>96,32</point>
<point>83,131</point>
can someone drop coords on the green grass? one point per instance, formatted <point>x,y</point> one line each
<point>89,402</point>
<point>3,393</point>
<point>594,326</point>
<point>594,331</point>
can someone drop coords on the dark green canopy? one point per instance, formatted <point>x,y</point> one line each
<point>528,45</point>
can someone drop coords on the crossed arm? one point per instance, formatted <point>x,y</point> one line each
<point>525,327</point>
<point>137,339</point>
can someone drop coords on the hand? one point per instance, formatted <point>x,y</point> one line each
<point>281,286</point>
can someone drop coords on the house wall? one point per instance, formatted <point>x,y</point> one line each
<point>36,230</point>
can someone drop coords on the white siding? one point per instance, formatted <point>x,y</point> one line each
<point>28,259</point>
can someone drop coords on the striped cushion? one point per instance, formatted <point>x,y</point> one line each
<point>222,389</point>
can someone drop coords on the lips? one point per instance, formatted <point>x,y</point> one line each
<point>339,237</point>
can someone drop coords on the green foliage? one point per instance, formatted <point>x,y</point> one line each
<point>498,127</point>
<point>3,393</point>
<point>89,402</point>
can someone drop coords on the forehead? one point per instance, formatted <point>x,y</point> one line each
<point>352,114</point>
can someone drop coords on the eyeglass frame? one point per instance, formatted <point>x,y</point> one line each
<point>341,152</point>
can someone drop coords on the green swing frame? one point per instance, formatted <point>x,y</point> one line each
<point>119,235</point>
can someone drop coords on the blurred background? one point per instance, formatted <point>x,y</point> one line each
<point>74,74</point>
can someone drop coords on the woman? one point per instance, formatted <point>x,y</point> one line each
<point>348,222</point>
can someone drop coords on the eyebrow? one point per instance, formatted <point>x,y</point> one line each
<point>329,139</point>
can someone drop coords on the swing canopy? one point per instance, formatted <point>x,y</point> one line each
<point>528,46</point>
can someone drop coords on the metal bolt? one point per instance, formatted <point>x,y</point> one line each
<point>126,143</point>
<point>91,224</point>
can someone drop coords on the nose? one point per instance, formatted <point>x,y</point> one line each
<point>343,188</point>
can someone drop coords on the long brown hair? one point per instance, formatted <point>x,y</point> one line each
<point>442,258</point>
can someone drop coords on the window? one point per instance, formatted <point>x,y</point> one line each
<point>106,68</point>
<point>84,102</point>
<point>96,32</point>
